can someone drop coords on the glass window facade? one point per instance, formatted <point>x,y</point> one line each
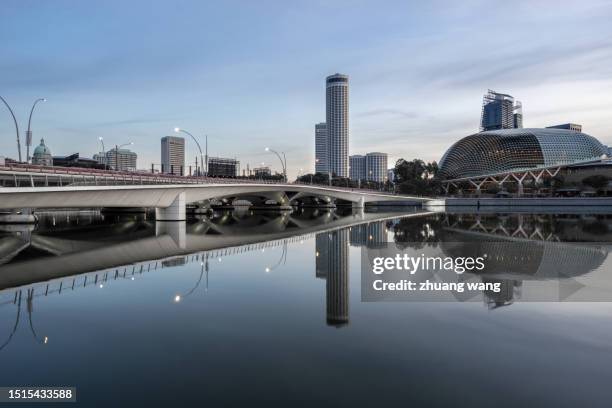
<point>509,150</point>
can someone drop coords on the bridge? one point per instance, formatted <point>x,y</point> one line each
<point>158,242</point>
<point>170,199</point>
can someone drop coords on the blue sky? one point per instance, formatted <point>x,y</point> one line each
<point>251,74</point>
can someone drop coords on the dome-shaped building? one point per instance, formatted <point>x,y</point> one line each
<point>42,155</point>
<point>509,150</point>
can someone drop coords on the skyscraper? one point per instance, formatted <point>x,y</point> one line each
<point>357,169</point>
<point>321,148</point>
<point>500,112</point>
<point>173,155</point>
<point>337,100</point>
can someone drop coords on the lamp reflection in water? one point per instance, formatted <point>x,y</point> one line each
<point>282,259</point>
<point>203,270</point>
<point>30,309</point>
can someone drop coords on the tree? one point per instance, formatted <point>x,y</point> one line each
<point>596,181</point>
<point>416,177</point>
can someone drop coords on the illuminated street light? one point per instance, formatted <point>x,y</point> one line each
<point>283,163</point>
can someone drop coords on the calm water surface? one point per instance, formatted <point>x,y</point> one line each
<point>241,308</point>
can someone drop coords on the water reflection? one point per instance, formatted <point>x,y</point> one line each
<point>68,251</point>
<point>75,250</point>
<point>520,248</point>
<point>332,264</point>
<point>188,309</point>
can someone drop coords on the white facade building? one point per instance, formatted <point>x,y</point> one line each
<point>337,120</point>
<point>122,159</point>
<point>376,167</point>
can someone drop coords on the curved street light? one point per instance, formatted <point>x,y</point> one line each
<point>283,163</point>
<point>16,126</point>
<point>29,132</point>
<point>177,130</point>
<point>101,139</point>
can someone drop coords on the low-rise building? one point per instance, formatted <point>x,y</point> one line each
<point>223,167</point>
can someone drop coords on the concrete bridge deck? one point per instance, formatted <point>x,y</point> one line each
<point>170,200</point>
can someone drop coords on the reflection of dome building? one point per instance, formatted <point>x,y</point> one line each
<point>508,150</point>
<point>42,155</point>
<point>525,259</point>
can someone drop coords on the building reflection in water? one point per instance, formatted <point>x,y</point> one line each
<point>72,250</point>
<point>523,247</point>
<point>372,235</point>
<point>332,264</point>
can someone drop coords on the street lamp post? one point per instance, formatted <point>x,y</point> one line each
<point>16,127</point>
<point>199,148</point>
<point>283,163</point>
<point>29,131</point>
<point>117,147</point>
<point>101,139</point>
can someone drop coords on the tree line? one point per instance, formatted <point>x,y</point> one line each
<point>410,177</point>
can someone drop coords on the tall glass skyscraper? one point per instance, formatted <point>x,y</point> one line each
<point>321,148</point>
<point>499,111</point>
<point>337,105</point>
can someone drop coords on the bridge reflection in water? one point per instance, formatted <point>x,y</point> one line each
<point>72,250</point>
<point>69,251</point>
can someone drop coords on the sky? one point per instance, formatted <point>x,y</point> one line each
<point>251,74</point>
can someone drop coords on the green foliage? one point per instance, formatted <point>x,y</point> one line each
<point>416,177</point>
<point>596,181</point>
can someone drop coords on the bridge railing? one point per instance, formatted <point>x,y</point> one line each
<point>84,176</point>
<point>24,175</point>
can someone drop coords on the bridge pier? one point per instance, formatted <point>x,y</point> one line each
<point>22,216</point>
<point>175,230</point>
<point>359,204</point>
<point>175,212</point>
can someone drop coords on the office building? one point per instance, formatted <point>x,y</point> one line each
<point>391,175</point>
<point>321,148</point>
<point>518,115</point>
<point>371,167</point>
<point>337,120</point>
<point>262,171</point>
<point>357,167</point>
<point>499,111</point>
<point>100,157</point>
<point>121,160</point>
<point>568,126</point>
<point>173,155</point>
<point>376,167</point>
<point>223,167</point>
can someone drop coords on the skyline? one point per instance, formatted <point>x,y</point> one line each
<point>252,76</point>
